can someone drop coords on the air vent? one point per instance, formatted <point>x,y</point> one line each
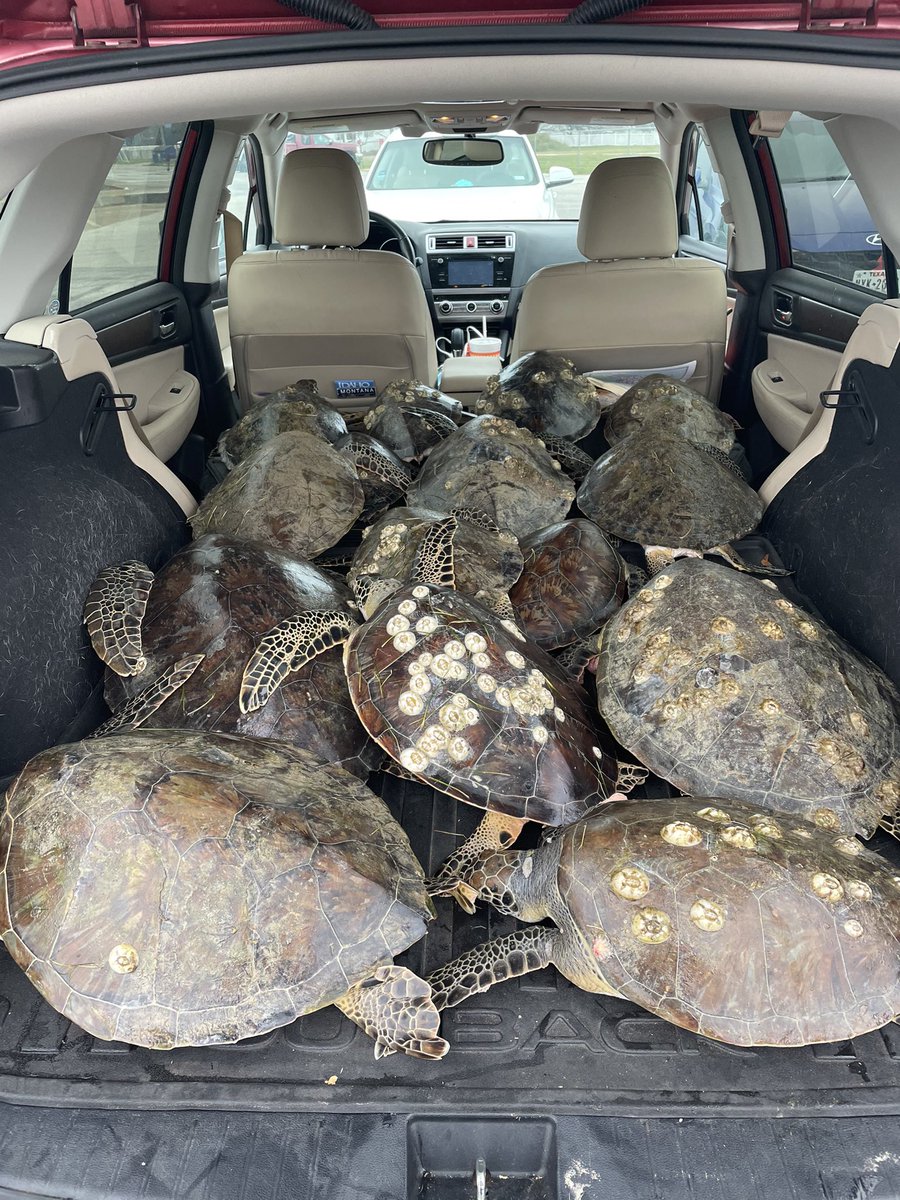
<point>494,241</point>
<point>439,243</point>
<point>448,241</point>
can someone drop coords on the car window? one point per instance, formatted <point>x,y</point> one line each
<point>401,167</point>
<point>243,202</point>
<point>580,148</point>
<point>119,248</point>
<point>830,227</point>
<point>705,199</point>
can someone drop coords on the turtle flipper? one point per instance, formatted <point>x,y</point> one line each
<point>492,962</point>
<point>730,555</point>
<point>394,1007</point>
<point>141,706</point>
<point>476,516</point>
<point>288,647</point>
<point>113,612</point>
<point>371,591</point>
<point>630,776</point>
<point>495,832</point>
<point>434,558</point>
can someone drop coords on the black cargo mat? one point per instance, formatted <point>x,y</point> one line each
<point>530,1045</point>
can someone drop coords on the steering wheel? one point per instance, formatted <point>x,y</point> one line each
<point>397,233</point>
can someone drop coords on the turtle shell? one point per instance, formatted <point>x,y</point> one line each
<point>740,926</point>
<point>571,582</point>
<point>411,418</point>
<point>175,888</point>
<point>716,682</point>
<point>384,477</point>
<point>294,493</point>
<point>263,422</point>
<point>660,490</point>
<point>483,560</point>
<point>545,393</point>
<point>464,702</point>
<point>499,468</point>
<point>219,597</point>
<point>660,403</point>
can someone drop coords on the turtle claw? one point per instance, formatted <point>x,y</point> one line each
<point>395,1008</point>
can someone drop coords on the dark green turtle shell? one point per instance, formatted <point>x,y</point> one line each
<point>462,700</point>
<point>719,684</point>
<point>483,560</point>
<point>175,888</point>
<point>384,477</point>
<point>500,468</point>
<point>545,393</point>
<point>410,418</point>
<point>740,925</point>
<point>219,597</point>
<point>295,493</point>
<point>661,490</point>
<point>264,421</point>
<point>660,403</point>
<point>571,582</point>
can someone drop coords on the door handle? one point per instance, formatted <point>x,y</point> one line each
<point>166,329</point>
<point>783,308</point>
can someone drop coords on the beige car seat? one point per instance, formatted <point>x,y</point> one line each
<point>319,313</point>
<point>633,304</point>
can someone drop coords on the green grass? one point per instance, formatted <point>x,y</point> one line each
<point>582,160</point>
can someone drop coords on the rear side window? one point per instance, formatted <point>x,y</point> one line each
<point>704,199</point>
<point>830,228</point>
<point>119,248</point>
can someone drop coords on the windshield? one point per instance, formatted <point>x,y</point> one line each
<point>542,176</point>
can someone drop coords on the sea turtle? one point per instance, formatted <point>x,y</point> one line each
<point>660,403</point>
<point>487,561</point>
<point>282,412</point>
<point>499,468</point>
<point>545,393</point>
<point>411,418</point>
<point>218,598</point>
<point>384,477</point>
<point>721,685</point>
<point>570,457</point>
<point>672,497</point>
<point>737,925</point>
<point>571,582</point>
<point>295,493</point>
<point>174,888</point>
<point>459,698</point>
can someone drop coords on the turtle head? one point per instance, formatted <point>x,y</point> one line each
<point>371,592</point>
<point>512,882</point>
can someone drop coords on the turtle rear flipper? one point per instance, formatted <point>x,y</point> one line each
<point>289,646</point>
<point>145,703</point>
<point>113,612</point>
<point>731,556</point>
<point>394,1006</point>
<point>435,558</point>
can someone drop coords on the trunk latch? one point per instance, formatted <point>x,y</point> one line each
<point>104,402</point>
<point>849,397</point>
<point>107,24</point>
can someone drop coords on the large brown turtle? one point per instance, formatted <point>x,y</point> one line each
<point>384,477</point>
<point>486,560</point>
<point>740,926</point>
<point>410,418</point>
<point>217,599</point>
<point>174,888</point>
<point>500,468</point>
<point>661,403</point>
<point>572,581</point>
<point>298,407</point>
<point>295,493</point>
<point>458,697</point>
<point>721,685</point>
<point>545,393</point>
<point>672,497</point>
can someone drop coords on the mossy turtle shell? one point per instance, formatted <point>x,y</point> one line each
<point>483,559</point>
<point>294,493</point>
<point>545,393</point>
<point>718,683</point>
<point>265,421</point>
<point>571,581</point>
<point>660,490</point>
<point>499,468</point>
<point>660,403</point>
<point>219,597</point>
<point>465,702</point>
<point>411,418</point>
<point>172,888</point>
<point>739,925</point>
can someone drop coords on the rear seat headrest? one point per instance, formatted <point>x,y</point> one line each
<point>628,211</point>
<point>320,199</point>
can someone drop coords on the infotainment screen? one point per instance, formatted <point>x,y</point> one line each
<point>470,272</point>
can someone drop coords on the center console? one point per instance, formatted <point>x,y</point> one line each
<point>470,274</point>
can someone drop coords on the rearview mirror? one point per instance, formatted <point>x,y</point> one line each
<point>463,152</point>
<point>557,176</point>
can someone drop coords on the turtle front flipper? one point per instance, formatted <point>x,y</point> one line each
<point>141,706</point>
<point>394,1006</point>
<point>492,962</point>
<point>730,555</point>
<point>113,612</point>
<point>495,832</point>
<point>435,557</point>
<point>289,646</point>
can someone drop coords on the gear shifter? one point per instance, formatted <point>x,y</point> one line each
<point>457,340</point>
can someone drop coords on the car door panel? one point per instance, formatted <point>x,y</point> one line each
<point>787,384</point>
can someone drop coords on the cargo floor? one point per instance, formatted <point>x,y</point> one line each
<point>530,1045</point>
